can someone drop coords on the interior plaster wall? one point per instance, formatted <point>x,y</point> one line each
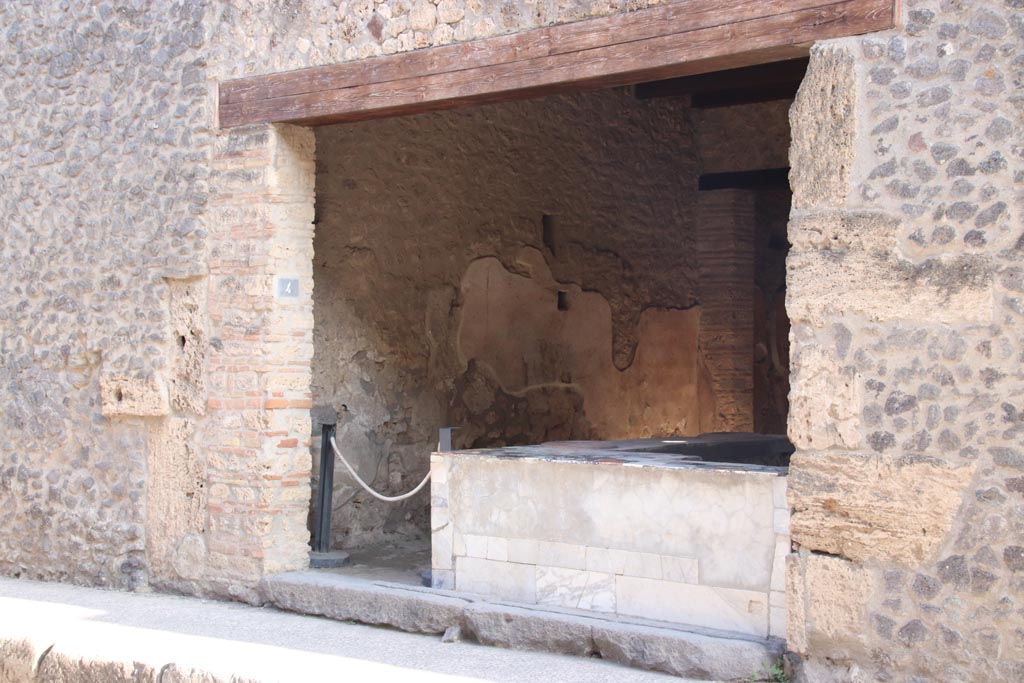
<point>905,290</point>
<point>443,242</point>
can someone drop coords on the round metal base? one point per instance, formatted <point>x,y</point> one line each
<point>331,560</point>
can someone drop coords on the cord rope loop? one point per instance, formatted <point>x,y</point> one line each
<point>386,499</point>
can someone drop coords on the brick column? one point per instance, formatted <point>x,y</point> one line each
<point>725,248</point>
<point>261,319</point>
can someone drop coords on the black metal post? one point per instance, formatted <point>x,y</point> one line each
<point>322,541</point>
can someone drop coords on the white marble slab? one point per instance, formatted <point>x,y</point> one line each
<point>698,546</point>
<point>476,545</point>
<point>523,550</point>
<point>723,519</point>
<point>680,569</point>
<point>721,608</point>
<point>782,548</point>
<point>504,580</point>
<point>575,588</point>
<point>567,555</point>
<point>497,549</point>
<point>777,622</point>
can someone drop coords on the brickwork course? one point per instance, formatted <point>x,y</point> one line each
<point>155,384</point>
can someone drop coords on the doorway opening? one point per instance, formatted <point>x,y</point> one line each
<point>597,266</point>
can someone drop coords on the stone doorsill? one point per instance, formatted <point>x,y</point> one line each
<point>691,652</point>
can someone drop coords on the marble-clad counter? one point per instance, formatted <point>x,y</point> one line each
<point>620,527</point>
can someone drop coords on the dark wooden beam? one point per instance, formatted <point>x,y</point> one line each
<point>759,83</point>
<point>744,180</point>
<point>667,41</point>
<point>752,95</point>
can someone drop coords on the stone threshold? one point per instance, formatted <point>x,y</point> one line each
<point>690,652</point>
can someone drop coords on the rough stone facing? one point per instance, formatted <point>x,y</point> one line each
<point>135,249</point>
<point>844,264</point>
<point>821,157</point>
<point>108,177</point>
<point>875,507</point>
<point>104,165</point>
<point>357,600</point>
<point>905,280</point>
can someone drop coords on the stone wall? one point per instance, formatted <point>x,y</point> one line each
<point>154,399</point>
<point>104,161</point>
<point>123,280</point>
<point>904,290</point>
<point>267,36</point>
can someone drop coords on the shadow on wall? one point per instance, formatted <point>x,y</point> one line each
<point>550,343</point>
<point>406,206</point>
<point>527,271</point>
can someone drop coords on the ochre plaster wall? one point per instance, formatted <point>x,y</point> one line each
<point>437,284</point>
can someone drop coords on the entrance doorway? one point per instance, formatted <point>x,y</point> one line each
<point>592,266</point>
<point>660,289</point>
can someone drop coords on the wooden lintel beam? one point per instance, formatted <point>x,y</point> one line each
<point>773,80</point>
<point>667,41</point>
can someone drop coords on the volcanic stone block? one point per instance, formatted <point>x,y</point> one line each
<point>874,507</point>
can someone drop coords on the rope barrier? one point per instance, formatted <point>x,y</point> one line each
<point>386,499</point>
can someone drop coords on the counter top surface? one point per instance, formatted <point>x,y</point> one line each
<point>638,453</point>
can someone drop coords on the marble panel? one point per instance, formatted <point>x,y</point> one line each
<point>777,622</point>
<point>722,608</point>
<point>679,569</point>
<point>505,580</point>
<point>725,519</point>
<point>781,522</point>
<point>476,546</point>
<point>566,555</point>
<point>779,493</point>
<point>497,549</point>
<point>575,588</point>
<point>523,550</point>
<point>442,579</point>
<point>441,548</point>
<point>782,549</point>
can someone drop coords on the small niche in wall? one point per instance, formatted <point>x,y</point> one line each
<point>548,234</point>
<point>562,301</point>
